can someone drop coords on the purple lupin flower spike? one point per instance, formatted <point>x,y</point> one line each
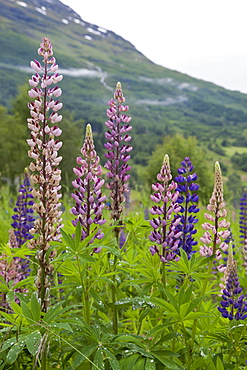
<point>23,217</point>
<point>165,235</point>
<point>117,154</point>
<point>243,226</point>
<point>213,236</point>
<point>234,303</point>
<point>46,176</point>
<point>243,217</point>
<point>88,195</point>
<point>187,198</point>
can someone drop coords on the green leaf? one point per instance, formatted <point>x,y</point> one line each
<point>14,351</point>
<point>164,304</point>
<point>183,309</point>
<point>28,280</point>
<point>27,313</point>
<point>52,312</point>
<point>98,361</point>
<point>172,299</point>
<point>113,250</point>
<point>35,307</point>
<point>167,362</point>
<point>140,364</point>
<point>83,356</point>
<point>8,343</point>
<point>112,359</point>
<point>197,315</point>
<point>128,338</point>
<point>193,304</point>
<point>165,338</point>
<point>128,363</point>
<point>219,365</point>
<point>124,302</point>
<point>33,342</point>
<point>77,237</point>
<point>69,241</point>
<point>150,364</point>
<point>86,258</point>
<point>8,317</point>
<point>62,325</point>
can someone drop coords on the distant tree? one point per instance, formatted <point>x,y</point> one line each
<point>240,161</point>
<point>13,148</point>
<point>178,147</point>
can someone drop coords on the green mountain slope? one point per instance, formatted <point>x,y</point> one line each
<point>92,60</point>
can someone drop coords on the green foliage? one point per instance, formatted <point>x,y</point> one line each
<point>179,147</point>
<point>240,161</point>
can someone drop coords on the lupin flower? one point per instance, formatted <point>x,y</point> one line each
<point>117,154</point>
<point>243,227</point>
<point>23,217</point>
<point>243,218</point>
<point>165,234</point>
<point>88,195</point>
<point>234,303</point>
<point>187,197</point>
<point>214,229</point>
<point>44,147</point>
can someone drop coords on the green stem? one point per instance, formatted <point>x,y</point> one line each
<point>204,289</point>
<point>43,360</point>
<point>86,299</point>
<point>114,309</point>
<point>188,350</point>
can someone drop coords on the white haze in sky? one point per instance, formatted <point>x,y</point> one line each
<point>206,39</point>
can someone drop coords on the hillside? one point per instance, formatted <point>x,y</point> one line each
<point>93,59</point>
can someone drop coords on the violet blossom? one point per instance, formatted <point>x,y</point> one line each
<point>165,235</point>
<point>23,217</point>
<point>234,303</point>
<point>187,198</point>
<point>117,155</point>
<point>243,218</point>
<point>88,195</point>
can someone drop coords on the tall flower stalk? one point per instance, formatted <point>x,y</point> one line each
<point>165,236</point>
<point>46,174</point>
<point>88,195</point>
<point>89,205</point>
<point>215,232</point>
<point>243,218</point>
<point>233,304</point>
<point>187,198</point>
<point>243,227</point>
<point>117,155</point>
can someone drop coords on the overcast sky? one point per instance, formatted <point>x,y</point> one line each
<point>206,39</point>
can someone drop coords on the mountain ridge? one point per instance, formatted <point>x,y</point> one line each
<point>94,59</point>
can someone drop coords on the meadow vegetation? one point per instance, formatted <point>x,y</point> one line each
<point>138,268</point>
